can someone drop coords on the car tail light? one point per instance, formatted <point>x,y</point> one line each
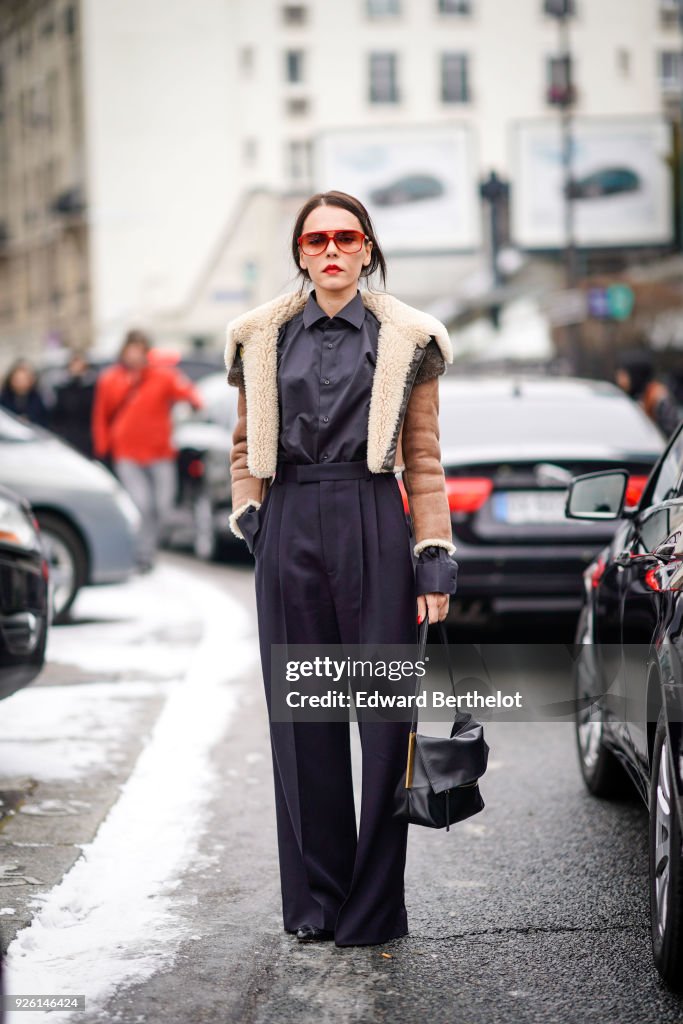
<point>467,493</point>
<point>651,580</point>
<point>634,489</point>
<point>195,468</point>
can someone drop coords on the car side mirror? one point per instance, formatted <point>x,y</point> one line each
<point>597,495</point>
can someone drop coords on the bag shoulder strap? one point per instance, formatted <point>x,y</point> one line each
<point>421,648</point>
<point>132,390</point>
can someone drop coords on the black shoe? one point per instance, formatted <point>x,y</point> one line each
<point>309,933</point>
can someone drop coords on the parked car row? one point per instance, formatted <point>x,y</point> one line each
<point>510,447</point>
<point>66,521</point>
<point>87,520</point>
<point>629,672</point>
<point>24,594</point>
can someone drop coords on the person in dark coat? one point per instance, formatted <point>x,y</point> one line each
<point>20,395</point>
<point>338,390</point>
<point>71,414</point>
<point>635,374</point>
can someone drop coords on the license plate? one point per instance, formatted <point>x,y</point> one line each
<point>529,506</point>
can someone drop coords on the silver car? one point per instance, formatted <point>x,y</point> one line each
<point>89,524</point>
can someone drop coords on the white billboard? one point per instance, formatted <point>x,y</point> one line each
<point>622,183</point>
<point>419,184</point>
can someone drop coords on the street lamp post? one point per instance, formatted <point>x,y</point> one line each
<point>562,95</point>
<point>494,191</point>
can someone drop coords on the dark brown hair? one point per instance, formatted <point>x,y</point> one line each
<point>354,206</point>
<point>135,337</point>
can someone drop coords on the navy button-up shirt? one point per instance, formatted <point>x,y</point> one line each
<point>325,369</point>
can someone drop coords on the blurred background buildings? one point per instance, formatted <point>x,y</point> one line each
<point>521,162</point>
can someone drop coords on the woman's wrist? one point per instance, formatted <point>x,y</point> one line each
<point>436,571</point>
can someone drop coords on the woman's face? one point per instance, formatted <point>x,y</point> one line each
<point>22,380</point>
<point>334,218</point>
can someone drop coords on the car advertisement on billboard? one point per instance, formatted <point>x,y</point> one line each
<point>621,183</point>
<point>419,184</point>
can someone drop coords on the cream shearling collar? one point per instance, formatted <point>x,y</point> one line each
<point>402,328</point>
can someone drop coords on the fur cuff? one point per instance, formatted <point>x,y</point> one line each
<point>238,512</point>
<point>436,542</point>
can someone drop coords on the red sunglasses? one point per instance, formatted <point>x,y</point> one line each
<point>314,242</point>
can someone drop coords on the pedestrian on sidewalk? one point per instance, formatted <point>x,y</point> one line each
<point>71,414</point>
<point>338,391</point>
<point>132,428</point>
<point>20,394</point>
<point>635,374</point>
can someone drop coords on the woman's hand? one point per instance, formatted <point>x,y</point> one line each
<point>437,604</point>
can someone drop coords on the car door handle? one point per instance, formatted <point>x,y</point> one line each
<point>627,558</point>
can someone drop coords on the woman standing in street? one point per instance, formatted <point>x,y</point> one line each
<point>19,393</point>
<point>338,391</point>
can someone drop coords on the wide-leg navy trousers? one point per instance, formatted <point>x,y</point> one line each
<point>334,565</point>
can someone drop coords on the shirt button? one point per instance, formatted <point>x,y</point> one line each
<point>326,419</point>
<point>330,345</point>
<point>325,380</point>
<point>326,456</point>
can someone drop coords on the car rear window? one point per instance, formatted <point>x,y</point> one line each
<point>489,419</point>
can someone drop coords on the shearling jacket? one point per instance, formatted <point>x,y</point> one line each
<point>403,425</point>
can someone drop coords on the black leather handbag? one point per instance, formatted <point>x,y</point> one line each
<point>440,785</point>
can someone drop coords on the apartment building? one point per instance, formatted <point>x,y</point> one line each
<point>152,155</point>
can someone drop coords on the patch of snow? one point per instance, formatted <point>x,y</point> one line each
<point>112,922</point>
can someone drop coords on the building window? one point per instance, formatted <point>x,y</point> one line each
<point>246,60</point>
<point>70,21</point>
<point>455,6</point>
<point>299,160</point>
<point>297,106</point>
<point>669,12</point>
<point>671,70</point>
<point>250,151</point>
<point>559,8</point>
<point>383,78</point>
<point>559,90</point>
<point>380,8</point>
<point>294,65</point>
<point>454,78</point>
<point>294,14</point>
<point>624,62</point>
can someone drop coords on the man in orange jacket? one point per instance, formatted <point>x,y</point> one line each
<point>131,426</point>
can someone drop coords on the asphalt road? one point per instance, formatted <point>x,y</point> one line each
<point>536,910</point>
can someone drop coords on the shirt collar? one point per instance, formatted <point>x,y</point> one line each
<point>353,312</point>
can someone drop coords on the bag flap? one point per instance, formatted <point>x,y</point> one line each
<point>454,761</point>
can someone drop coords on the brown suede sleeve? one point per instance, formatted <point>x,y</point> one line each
<point>246,489</point>
<point>423,476</point>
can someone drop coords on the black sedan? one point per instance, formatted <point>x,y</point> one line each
<point>510,446</point>
<point>24,600</point>
<point>629,673</point>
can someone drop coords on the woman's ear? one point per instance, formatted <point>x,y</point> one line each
<point>368,254</point>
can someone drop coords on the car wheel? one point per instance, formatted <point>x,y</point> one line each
<point>205,540</point>
<point>666,865</point>
<point>67,561</point>
<point>601,770</point>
